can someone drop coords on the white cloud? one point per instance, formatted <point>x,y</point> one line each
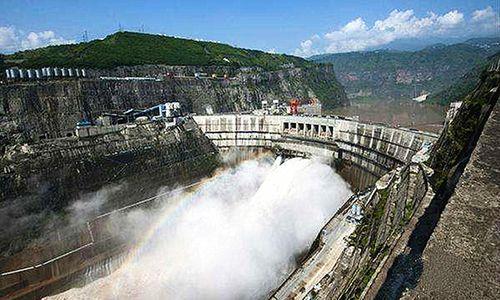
<point>484,14</point>
<point>450,20</point>
<point>306,47</point>
<point>486,20</point>
<point>357,35</point>
<point>44,38</point>
<point>14,40</point>
<point>357,25</point>
<point>8,38</point>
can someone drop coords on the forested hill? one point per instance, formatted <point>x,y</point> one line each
<point>464,85</point>
<point>138,54</point>
<point>399,75</point>
<point>130,48</point>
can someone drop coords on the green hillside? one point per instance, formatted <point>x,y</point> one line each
<point>464,85</point>
<point>397,75</point>
<point>129,48</point>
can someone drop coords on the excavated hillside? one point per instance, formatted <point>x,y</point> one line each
<point>35,109</point>
<point>462,256</point>
<point>52,108</point>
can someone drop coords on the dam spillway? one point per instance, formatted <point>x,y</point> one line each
<point>236,236</point>
<point>362,153</point>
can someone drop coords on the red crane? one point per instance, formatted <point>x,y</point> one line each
<point>294,106</point>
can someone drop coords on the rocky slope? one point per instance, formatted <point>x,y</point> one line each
<point>453,250</point>
<point>385,75</point>
<point>461,258</point>
<point>52,108</point>
<point>39,181</point>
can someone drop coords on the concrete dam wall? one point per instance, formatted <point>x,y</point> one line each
<point>363,152</point>
<point>386,163</point>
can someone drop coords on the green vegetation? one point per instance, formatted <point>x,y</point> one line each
<point>397,75</point>
<point>458,139</point>
<point>379,210</point>
<point>378,214</point>
<point>327,88</point>
<point>460,88</point>
<point>367,274</point>
<point>408,213</point>
<point>129,49</point>
<point>360,237</point>
<point>364,236</point>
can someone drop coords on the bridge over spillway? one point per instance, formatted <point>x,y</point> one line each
<point>362,152</point>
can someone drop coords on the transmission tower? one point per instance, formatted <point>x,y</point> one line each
<point>85,36</point>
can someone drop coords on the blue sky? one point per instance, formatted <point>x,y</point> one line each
<point>295,27</point>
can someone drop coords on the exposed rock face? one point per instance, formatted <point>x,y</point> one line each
<point>461,259</point>
<point>40,179</point>
<point>52,108</point>
<point>462,256</point>
<point>454,254</point>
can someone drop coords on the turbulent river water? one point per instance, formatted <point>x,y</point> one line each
<point>235,237</point>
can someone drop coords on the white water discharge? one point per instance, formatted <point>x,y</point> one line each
<point>236,237</point>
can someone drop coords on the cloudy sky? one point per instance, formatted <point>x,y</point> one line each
<point>296,27</point>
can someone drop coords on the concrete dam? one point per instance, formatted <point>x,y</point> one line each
<point>347,256</point>
<point>363,152</point>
